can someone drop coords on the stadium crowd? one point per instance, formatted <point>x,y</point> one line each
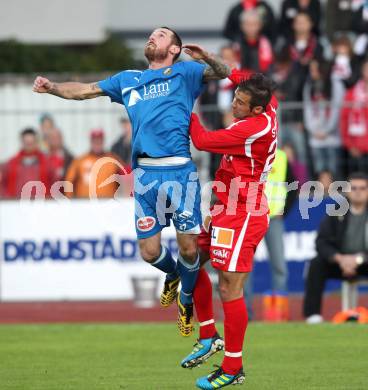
<point>316,54</point>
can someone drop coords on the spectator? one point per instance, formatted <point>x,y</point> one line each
<point>338,15</point>
<point>47,123</point>
<point>122,147</point>
<point>360,17</point>
<point>298,169</point>
<point>59,158</point>
<point>255,49</point>
<point>81,171</point>
<point>323,98</point>
<point>302,48</point>
<point>29,164</point>
<point>360,27</point>
<point>288,84</point>
<point>280,201</point>
<point>303,43</point>
<point>290,9</point>
<point>345,65</point>
<point>232,25</point>
<point>354,124</point>
<point>326,179</point>
<point>341,248</point>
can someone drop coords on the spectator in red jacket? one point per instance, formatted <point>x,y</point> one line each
<point>29,164</point>
<point>354,123</point>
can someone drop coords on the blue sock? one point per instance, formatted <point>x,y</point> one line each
<point>166,263</point>
<point>188,276</point>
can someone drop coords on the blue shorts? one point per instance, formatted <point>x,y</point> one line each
<point>165,193</point>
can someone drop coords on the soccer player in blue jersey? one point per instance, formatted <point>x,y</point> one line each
<point>159,101</point>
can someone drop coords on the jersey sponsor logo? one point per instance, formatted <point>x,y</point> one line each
<point>218,261</point>
<point>222,237</point>
<point>154,91</point>
<point>221,253</point>
<point>145,224</point>
<point>134,98</point>
<point>151,91</point>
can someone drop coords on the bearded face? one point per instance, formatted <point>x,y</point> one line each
<point>154,53</point>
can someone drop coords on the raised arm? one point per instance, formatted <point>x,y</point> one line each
<point>222,141</point>
<point>216,69</point>
<point>68,90</point>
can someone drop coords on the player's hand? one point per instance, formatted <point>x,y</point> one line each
<point>42,85</point>
<point>195,51</point>
<point>348,265</point>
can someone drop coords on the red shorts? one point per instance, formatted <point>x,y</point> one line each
<point>232,240</point>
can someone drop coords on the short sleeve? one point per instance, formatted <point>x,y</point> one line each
<point>112,87</point>
<point>194,74</point>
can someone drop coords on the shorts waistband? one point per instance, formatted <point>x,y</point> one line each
<point>162,161</point>
<point>166,167</point>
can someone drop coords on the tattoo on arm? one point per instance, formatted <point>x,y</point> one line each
<point>54,90</point>
<point>216,70</point>
<point>95,87</point>
<point>94,91</point>
<point>76,91</point>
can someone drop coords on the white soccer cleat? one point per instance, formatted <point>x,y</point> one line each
<point>314,319</point>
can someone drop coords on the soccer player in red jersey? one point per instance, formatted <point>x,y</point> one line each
<point>239,222</point>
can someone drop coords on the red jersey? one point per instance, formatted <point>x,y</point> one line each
<point>249,147</point>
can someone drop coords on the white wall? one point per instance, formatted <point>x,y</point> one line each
<point>180,14</point>
<point>44,21</point>
<point>20,107</point>
<point>68,21</point>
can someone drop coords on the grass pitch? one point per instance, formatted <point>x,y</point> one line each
<point>147,356</point>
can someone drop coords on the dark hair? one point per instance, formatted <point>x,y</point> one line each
<point>324,86</point>
<point>259,87</point>
<point>176,40</point>
<point>358,176</point>
<point>28,131</point>
<point>343,40</point>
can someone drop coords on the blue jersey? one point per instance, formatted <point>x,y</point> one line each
<point>159,103</point>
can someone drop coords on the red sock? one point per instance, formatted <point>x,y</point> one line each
<point>235,324</point>
<point>202,297</point>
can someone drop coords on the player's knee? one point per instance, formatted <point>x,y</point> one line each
<point>225,291</point>
<point>149,253</point>
<point>189,254</point>
<point>229,291</point>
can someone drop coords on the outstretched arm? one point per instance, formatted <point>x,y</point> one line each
<point>68,90</point>
<point>216,68</point>
<point>222,141</point>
